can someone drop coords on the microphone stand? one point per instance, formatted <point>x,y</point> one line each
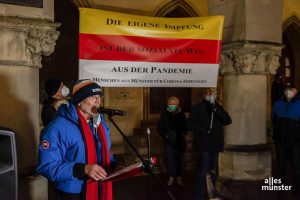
<point>146,164</point>
<point>149,159</point>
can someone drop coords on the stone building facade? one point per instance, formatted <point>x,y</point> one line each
<point>38,41</point>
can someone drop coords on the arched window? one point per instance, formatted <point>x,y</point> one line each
<point>287,66</point>
<point>290,61</point>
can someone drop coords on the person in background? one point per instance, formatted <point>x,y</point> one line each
<point>57,95</point>
<point>172,128</point>
<point>74,151</point>
<point>206,121</point>
<point>277,90</point>
<point>286,135</point>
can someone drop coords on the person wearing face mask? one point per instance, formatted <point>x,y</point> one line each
<point>286,135</point>
<point>74,154</point>
<point>172,128</point>
<point>206,121</point>
<point>57,95</point>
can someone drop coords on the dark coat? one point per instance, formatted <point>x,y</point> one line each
<point>172,127</point>
<point>205,140</point>
<point>48,111</point>
<point>277,91</point>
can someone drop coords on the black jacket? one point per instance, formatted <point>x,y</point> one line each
<point>277,91</point>
<point>199,123</point>
<point>172,127</point>
<point>48,111</point>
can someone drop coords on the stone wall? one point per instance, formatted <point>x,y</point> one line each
<point>26,34</point>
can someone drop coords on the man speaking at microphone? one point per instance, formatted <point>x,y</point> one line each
<point>74,148</point>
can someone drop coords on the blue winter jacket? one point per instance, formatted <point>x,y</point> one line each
<point>286,120</point>
<point>62,146</point>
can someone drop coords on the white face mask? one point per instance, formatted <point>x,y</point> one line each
<point>96,120</point>
<point>65,91</point>
<point>289,94</point>
<point>211,98</point>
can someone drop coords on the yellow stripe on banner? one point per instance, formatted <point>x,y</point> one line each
<point>94,21</point>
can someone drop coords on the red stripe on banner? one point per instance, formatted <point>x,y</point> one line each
<point>146,49</point>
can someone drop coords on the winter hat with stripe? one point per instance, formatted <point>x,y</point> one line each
<point>85,88</point>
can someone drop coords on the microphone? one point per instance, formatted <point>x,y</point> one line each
<point>110,111</point>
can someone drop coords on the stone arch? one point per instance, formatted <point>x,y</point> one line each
<point>291,21</point>
<point>177,6</point>
<point>291,50</point>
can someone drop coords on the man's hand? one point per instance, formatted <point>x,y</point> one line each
<point>95,172</point>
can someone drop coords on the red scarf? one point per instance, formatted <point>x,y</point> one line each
<point>91,185</point>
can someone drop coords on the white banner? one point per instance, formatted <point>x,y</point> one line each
<point>121,50</point>
<point>142,74</point>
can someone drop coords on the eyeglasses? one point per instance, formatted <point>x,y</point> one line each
<point>94,98</point>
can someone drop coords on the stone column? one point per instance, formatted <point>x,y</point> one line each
<point>245,67</point>
<point>23,42</point>
<point>251,50</point>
